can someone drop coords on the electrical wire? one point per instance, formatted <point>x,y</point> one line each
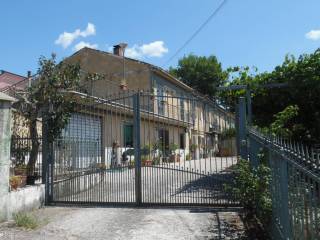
<point>215,12</point>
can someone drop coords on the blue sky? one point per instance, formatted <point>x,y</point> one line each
<point>244,33</point>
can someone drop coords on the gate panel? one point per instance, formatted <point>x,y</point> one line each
<point>145,149</point>
<point>89,156</point>
<point>188,147</point>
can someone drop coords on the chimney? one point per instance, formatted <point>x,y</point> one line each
<point>29,78</point>
<point>119,49</point>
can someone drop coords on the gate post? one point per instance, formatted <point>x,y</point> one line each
<point>137,147</point>
<point>5,141</point>
<point>241,129</point>
<point>47,159</point>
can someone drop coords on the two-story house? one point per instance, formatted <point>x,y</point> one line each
<point>173,116</point>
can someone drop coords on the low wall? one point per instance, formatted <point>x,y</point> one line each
<point>65,188</point>
<point>23,199</point>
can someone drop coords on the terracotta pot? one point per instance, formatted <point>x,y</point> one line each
<point>18,171</point>
<point>23,181</point>
<point>148,163</point>
<point>14,185</point>
<point>18,182</point>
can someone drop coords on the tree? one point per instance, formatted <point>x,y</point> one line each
<point>201,73</point>
<point>48,90</point>
<point>303,91</point>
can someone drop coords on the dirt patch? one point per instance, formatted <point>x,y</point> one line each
<point>129,223</point>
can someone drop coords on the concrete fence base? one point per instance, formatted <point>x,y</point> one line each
<point>24,199</point>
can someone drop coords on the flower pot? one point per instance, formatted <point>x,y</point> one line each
<point>23,181</point>
<point>14,183</point>
<point>20,171</point>
<point>148,163</point>
<point>17,182</point>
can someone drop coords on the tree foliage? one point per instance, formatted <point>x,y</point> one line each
<point>202,73</point>
<point>47,99</point>
<point>282,124</point>
<point>302,76</point>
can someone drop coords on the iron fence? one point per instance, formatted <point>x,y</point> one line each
<point>20,155</point>
<point>295,186</point>
<point>131,149</point>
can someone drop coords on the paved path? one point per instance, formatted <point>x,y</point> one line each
<point>129,223</point>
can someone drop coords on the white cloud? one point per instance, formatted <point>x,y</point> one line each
<point>65,39</point>
<point>133,52</point>
<point>83,44</point>
<point>153,49</point>
<point>313,35</point>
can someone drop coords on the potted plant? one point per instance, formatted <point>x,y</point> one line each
<point>174,157</point>
<point>17,182</point>
<point>131,164</point>
<point>101,166</point>
<point>21,169</point>
<point>193,148</point>
<point>145,156</point>
<point>156,161</point>
<point>14,182</point>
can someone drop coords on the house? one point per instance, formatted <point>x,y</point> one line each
<point>9,80</point>
<point>173,116</point>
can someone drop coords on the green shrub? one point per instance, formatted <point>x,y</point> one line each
<point>25,220</point>
<point>251,186</point>
<point>228,133</point>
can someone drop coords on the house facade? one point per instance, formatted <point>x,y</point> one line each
<point>174,118</point>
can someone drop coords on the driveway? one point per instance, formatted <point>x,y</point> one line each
<point>129,223</point>
<point>191,182</point>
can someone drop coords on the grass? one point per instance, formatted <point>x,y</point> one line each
<point>26,220</point>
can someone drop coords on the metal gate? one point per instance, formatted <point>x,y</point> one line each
<point>143,149</point>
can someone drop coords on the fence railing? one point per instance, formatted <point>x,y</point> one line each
<point>20,155</point>
<point>295,186</point>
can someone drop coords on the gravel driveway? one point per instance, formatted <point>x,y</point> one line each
<point>128,223</point>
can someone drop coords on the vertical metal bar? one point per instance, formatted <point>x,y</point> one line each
<point>249,106</point>
<point>241,128</point>
<point>47,156</point>
<point>285,198</point>
<point>137,147</point>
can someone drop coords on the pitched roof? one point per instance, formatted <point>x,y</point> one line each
<point>162,72</point>
<point>153,68</point>
<point>8,79</point>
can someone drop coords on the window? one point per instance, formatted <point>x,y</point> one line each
<point>161,102</point>
<point>164,140</point>
<point>82,136</point>
<point>182,140</point>
<point>182,109</point>
<point>128,135</point>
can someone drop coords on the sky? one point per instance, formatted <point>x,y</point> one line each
<point>243,33</point>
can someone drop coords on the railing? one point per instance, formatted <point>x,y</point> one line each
<point>295,186</point>
<point>20,154</point>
